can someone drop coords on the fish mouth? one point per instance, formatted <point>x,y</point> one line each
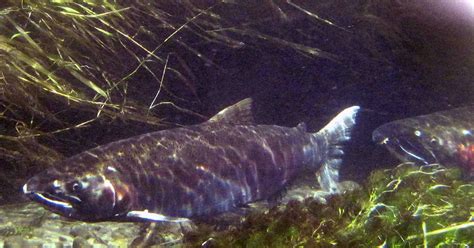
<point>409,150</point>
<point>52,202</point>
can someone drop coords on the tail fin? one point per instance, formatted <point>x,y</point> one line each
<point>331,139</point>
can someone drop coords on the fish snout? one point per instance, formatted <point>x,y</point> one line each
<point>31,186</point>
<point>39,184</point>
<point>379,137</point>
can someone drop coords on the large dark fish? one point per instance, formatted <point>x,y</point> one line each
<point>445,137</point>
<point>193,171</point>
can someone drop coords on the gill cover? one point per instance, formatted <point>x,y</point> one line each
<point>87,196</point>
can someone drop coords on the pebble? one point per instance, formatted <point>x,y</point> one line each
<point>14,242</point>
<point>57,232</point>
<point>81,242</point>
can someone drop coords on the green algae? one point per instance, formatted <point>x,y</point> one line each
<point>405,206</point>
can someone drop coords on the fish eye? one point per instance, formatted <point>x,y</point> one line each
<point>56,184</point>
<point>76,186</point>
<point>434,141</point>
<point>417,133</point>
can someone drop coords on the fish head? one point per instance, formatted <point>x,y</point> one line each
<point>91,195</point>
<point>412,142</point>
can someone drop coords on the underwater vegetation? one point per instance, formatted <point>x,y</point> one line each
<point>402,207</point>
<point>91,57</point>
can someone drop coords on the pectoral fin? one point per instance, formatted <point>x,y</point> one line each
<point>153,217</point>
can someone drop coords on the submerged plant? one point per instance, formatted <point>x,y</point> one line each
<point>91,56</point>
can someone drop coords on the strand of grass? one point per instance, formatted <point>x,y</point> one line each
<point>166,40</point>
<point>182,109</point>
<point>136,113</point>
<point>356,222</point>
<point>442,210</point>
<point>391,187</point>
<point>425,238</point>
<point>75,13</point>
<point>47,86</point>
<point>323,222</point>
<point>140,64</point>
<point>212,30</point>
<point>305,50</point>
<point>130,115</point>
<point>179,74</point>
<point>314,15</point>
<point>29,78</point>
<point>150,53</point>
<point>161,82</point>
<point>221,39</point>
<point>25,35</point>
<point>86,36</point>
<point>426,173</point>
<point>190,73</point>
<point>20,56</point>
<point>143,61</point>
<point>91,15</point>
<point>112,7</point>
<point>457,227</point>
<point>80,125</point>
<point>38,67</point>
<point>62,29</point>
<point>74,31</point>
<point>77,99</point>
<point>101,108</point>
<point>34,79</point>
<point>116,84</point>
<point>88,83</point>
<point>199,55</point>
<point>105,32</point>
<point>469,187</point>
<point>72,67</point>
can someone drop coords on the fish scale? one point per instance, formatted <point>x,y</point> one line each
<point>192,171</point>
<point>186,174</point>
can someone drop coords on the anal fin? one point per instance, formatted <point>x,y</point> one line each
<point>153,217</point>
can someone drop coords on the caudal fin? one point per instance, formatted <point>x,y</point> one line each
<point>331,139</point>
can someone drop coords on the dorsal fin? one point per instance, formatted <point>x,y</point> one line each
<point>239,113</point>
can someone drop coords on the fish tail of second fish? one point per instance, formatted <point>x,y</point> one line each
<point>331,140</point>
